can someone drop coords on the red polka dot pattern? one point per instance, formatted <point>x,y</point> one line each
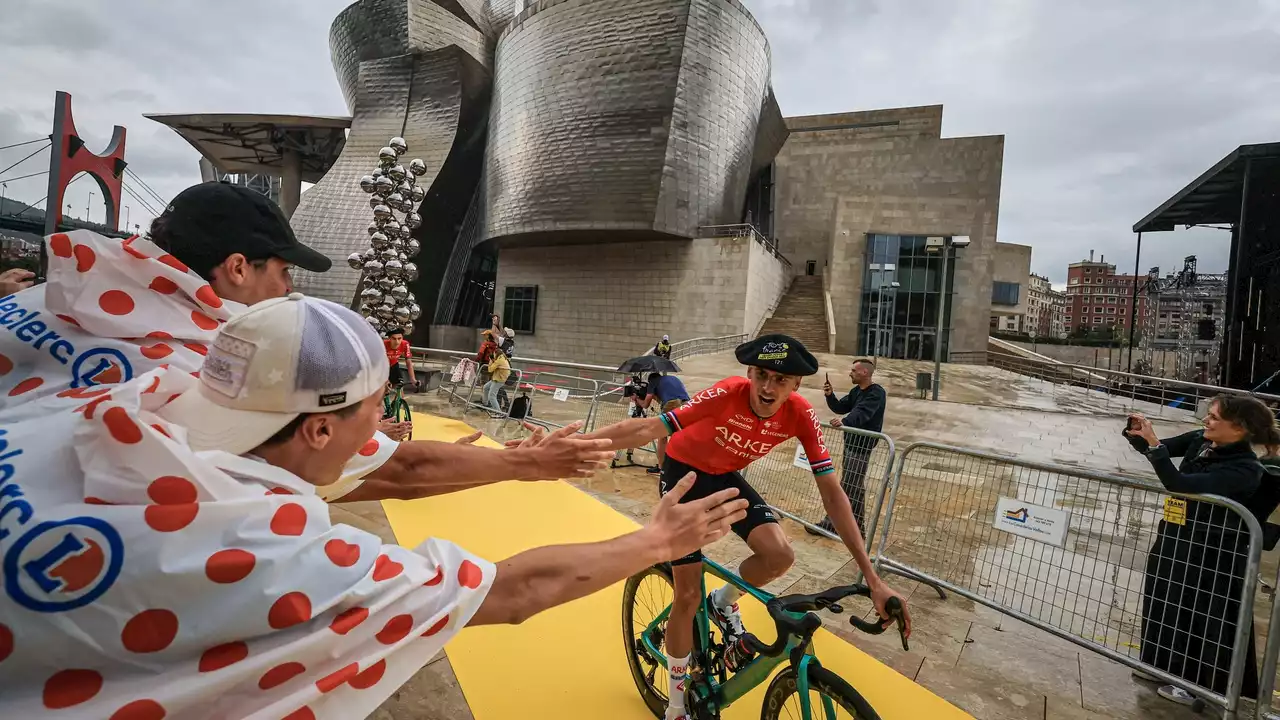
<point>341,553</point>
<point>348,619</point>
<point>202,321</point>
<point>85,258</point>
<point>229,566</point>
<point>122,427</point>
<point>26,386</point>
<point>216,658</point>
<point>68,688</point>
<point>369,448</point>
<point>156,352</point>
<point>135,252</point>
<point>172,490</point>
<point>437,627</point>
<point>470,575</point>
<point>6,642</point>
<point>6,365</point>
<point>435,579</point>
<point>116,302</point>
<point>197,348</point>
<point>302,713</point>
<point>207,296</point>
<point>369,677</point>
<point>290,609</point>
<point>60,244</point>
<point>384,568</point>
<point>68,320</point>
<point>140,710</point>
<point>164,286</point>
<point>396,629</point>
<point>170,518</point>
<point>173,262</point>
<point>337,678</point>
<point>289,519</point>
<point>280,675</point>
<point>149,631</point>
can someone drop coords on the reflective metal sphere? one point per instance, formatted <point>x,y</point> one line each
<point>393,268</point>
<point>374,323</point>
<point>384,186</point>
<point>374,201</point>
<point>369,254</point>
<point>372,296</point>
<point>412,246</point>
<point>373,268</point>
<point>401,314</point>
<point>355,260</point>
<point>417,194</point>
<point>405,188</point>
<point>365,309</point>
<point>399,292</point>
<point>413,220</point>
<point>399,145</point>
<point>415,311</point>
<point>387,156</point>
<point>386,312</point>
<point>366,183</point>
<point>411,271</point>
<point>395,200</point>
<point>385,284</point>
<point>388,254</point>
<point>379,241</point>
<point>404,258</point>
<point>373,228</point>
<point>381,212</point>
<point>396,172</point>
<point>417,167</point>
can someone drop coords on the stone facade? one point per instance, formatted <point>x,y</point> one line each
<point>841,177</point>
<point>605,303</point>
<point>1012,265</point>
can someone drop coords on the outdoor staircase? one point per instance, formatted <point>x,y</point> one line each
<point>801,314</point>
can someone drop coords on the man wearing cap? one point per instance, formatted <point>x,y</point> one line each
<point>166,554</point>
<point>663,348</point>
<point>717,434</point>
<point>112,310</point>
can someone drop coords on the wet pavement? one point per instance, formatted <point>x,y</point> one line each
<point>989,664</point>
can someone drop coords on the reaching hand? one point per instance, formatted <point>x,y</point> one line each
<point>827,389</point>
<point>679,529</point>
<point>880,595</point>
<point>1144,429</point>
<point>470,439</point>
<point>395,430</point>
<point>563,453</point>
<point>15,279</point>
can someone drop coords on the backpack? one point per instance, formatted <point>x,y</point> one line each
<point>521,408</point>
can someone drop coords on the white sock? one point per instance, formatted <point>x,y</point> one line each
<point>725,596</point>
<point>677,668</point>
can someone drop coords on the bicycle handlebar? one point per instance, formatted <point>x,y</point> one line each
<point>782,609</point>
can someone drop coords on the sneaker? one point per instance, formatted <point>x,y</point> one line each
<point>681,716</point>
<point>728,620</point>
<point>825,525</point>
<point>654,471</point>
<point>1176,694</point>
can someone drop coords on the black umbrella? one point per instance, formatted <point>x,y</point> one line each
<point>648,364</point>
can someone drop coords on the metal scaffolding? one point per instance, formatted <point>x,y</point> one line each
<point>1184,317</point>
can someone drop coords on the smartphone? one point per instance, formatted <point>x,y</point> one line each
<point>1135,424</point>
<point>828,376</point>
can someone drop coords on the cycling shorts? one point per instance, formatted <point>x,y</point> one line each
<point>758,511</point>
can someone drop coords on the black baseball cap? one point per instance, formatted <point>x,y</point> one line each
<point>206,223</point>
<point>780,353</point>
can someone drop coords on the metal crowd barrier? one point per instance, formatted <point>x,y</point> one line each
<point>612,407</point>
<point>863,460</point>
<point>705,345</point>
<point>1151,579</point>
<point>561,399</point>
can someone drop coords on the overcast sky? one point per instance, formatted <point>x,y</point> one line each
<point>1107,108</point>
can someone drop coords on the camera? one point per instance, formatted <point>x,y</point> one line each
<point>635,387</point>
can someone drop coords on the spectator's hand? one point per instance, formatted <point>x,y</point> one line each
<point>535,438</point>
<point>679,529</point>
<point>15,279</point>
<point>826,386</point>
<point>1143,429</point>
<point>470,439</point>
<point>836,423</point>
<point>563,454</point>
<point>395,430</point>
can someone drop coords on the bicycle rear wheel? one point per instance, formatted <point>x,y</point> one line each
<point>645,595</point>
<point>782,699</point>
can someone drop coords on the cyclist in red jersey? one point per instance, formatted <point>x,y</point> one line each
<point>714,436</point>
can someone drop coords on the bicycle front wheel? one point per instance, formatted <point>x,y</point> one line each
<point>644,597</point>
<point>782,699</point>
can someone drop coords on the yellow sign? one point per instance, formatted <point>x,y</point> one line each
<point>1175,511</point>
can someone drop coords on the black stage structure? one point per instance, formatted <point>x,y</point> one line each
<point>1239,193</point>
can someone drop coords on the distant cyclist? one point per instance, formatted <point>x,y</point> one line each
<point>717,434</point>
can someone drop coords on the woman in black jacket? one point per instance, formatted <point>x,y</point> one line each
<point>1196,569</point>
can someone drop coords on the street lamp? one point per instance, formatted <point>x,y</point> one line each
<point>894,285</point>
<point>87,203</point>
<point>934,245</point>
<point>126,218</point>
<point>4,187</point>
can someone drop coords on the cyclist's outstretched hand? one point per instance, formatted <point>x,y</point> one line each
<point>469,439</point>
<point>682,528</point>
<point>880,595</point>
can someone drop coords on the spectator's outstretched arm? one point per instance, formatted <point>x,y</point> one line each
<point>545,577</point>
<point>869,404</point>
<point>422,468</point>
<point>839,404</point>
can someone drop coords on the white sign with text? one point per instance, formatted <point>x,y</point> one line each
<point>561,394</point>
<point>1034,522</point>
<point>801,460</point>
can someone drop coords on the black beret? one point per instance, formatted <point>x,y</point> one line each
<point>779,353</point>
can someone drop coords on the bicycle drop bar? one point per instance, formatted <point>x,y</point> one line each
<point>782,610</point>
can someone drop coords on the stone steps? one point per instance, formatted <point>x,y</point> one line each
<point>801,313</point>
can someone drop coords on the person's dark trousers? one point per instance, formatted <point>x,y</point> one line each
<point>855,461</point>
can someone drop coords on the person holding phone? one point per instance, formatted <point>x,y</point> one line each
<point>863,409</point>
<point>1195,570</point>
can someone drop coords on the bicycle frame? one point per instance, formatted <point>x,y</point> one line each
<point>759,669</point>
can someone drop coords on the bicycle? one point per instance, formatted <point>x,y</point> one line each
<point>709,688</point>
<point>395,408</point>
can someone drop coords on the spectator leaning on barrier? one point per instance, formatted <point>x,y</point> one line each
<point>177,562</point>
<point>1196,570</point>
<point>670,393</point>
<point>863,407</point>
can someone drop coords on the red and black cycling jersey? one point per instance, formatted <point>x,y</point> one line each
<point>717,431</point>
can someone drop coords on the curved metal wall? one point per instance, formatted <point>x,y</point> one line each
<point>637,115</point>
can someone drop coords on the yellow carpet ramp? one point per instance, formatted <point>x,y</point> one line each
<point>568,663</point>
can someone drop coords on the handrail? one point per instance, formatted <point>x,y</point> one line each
<point>743,230</point>
<point>831,315</point>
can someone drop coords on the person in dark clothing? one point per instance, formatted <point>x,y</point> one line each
<point>863,409</point>
<point>670,393</point>
<point>1195,572</point>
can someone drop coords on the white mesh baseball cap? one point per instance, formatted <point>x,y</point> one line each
<point>277,360</point>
